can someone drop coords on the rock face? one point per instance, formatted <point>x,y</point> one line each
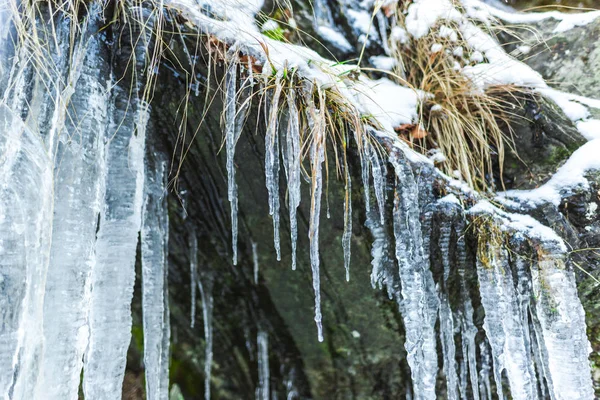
<point>447,296</point>
<point>363,355</point>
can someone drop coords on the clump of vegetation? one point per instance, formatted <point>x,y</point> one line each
<point>562,5</point>
<point>490,239</point>
<point>462,121</point>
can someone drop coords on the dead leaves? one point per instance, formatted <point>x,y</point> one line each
<point>411,131</point>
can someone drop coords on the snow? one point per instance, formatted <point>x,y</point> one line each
<point>447,32</point>
<point>524,224</point>
<point>360,20</point>
<point>574,110</point>
<point>566,21</point>
<point>476,57</point>
<point>524,49</point>
<point>400,35</point>
<point>590,129</point>
<point>269,25</point>
<point>392,105</point>
<point>334,37</point>
<point>436,48</point>
<point>423,14</point>
<point>568,177</point>
<point>383,62</point>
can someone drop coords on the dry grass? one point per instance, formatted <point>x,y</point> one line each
<point>461,120</point>
<point>489,239</point>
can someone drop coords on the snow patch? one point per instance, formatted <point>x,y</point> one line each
<point>569,176</point>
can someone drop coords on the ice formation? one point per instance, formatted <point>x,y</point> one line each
<point>262,390</point>
<point>78,196</point>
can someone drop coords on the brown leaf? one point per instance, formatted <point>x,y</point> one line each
<point>404,128</point>
<point>389,10</point>
<point>418,133</point>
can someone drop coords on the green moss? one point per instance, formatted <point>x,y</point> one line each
<point>137,333</point>
<point>275,34</point>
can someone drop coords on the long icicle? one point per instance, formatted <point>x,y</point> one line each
<point>272,163</point>
<point>420,302</point>
<point>317,125</point>
<point>193,242</point>
<point>262,341</point>
<point>25,228</point>
<point>154,245</point>
<point>114,274</point>
<point>205,286</point>
<point>255,262</point>
<point>113,277</point>
<point>230,143</point>
<point>79,124</point>
<point>293,159</point>
<point>347,235</point>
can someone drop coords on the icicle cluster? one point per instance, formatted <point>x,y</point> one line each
<point>73,225</point>
<point>528,305</point>
<point>77,195</point>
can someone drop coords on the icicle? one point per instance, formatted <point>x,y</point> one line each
<point>503,326</point>
<point>317,125</point>
<point>347,235</point>
<point>419,299</point>
<point>520,267</point>
<point>255,262</point>
<point>467,327</point>
<point>382,272</point>
<point>207,313</point>
<point>562,321</point>
<point>543,376</point>
<point>445,313</point>
<point>486,372</point>
<point>262,390</point>
<point>379,183</point>
<point>193,242</point>
<point>25,229</point>
<point>78,178</point>
<point>293,159</point>
<point>272,163</point>
<point>231,137</point>
<point>114,274</point>
<point>154,251</point>
<point>364,164</point>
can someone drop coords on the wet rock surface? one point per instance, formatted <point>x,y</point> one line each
<point>363,355</point>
